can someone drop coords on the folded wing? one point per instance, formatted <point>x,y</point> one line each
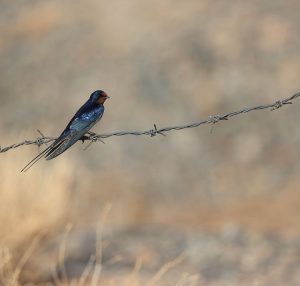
<point>74,131</point>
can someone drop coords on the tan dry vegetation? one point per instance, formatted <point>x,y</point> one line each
<point>226,198</point>
<point>31,203</point>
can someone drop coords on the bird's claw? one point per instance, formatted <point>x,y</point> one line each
<point>83,138</point>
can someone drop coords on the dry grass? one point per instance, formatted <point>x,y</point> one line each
<point>10,273</point>
<point>38,206</point>
<point>32,204</point>
<point>164,62</point>
<point>11,269</point>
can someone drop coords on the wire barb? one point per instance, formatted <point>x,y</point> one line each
<point>213,119</point>
<point>279,104</point>
<point>40,140</point>
<point>155,131</point>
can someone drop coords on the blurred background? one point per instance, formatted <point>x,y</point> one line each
<point>200,206</point>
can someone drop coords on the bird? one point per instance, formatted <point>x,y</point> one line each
<point>83,120</point>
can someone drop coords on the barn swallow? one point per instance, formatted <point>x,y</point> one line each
<point>83,120</point>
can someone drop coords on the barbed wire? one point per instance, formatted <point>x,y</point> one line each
<point>213,119</point>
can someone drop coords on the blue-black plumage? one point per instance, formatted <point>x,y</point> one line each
<point>83,120</point>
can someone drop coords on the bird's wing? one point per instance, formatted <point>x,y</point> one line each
<point>83,123</point>
<point>77,129</point>
<point>65,144</point>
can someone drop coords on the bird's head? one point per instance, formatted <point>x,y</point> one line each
<point>98,96</point>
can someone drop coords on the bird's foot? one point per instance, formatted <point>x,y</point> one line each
<point>83,138</point>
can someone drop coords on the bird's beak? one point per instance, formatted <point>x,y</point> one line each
<point>107,97</point>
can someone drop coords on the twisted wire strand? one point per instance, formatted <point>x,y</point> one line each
<point>213,119</point>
